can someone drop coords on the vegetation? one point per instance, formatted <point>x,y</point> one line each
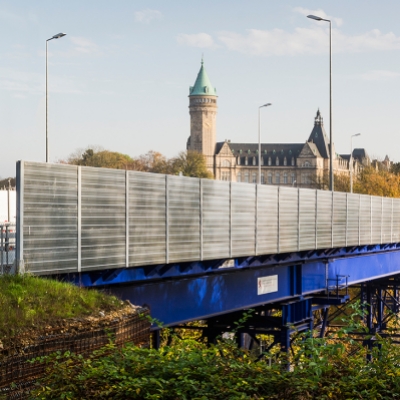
<point>29,302</point>
<point>330,368</point>
<point>188,163</point>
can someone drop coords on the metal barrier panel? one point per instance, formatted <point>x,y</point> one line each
<point>267,219</point>
<point>183,218</point>
<point>386,220</point>
<point>339,219</point>
<point>376,219</point>
<point>147,213</point>
<point>288,219</point>
<point>50,223</point>
<point>365,219</point>
<point>243,219</point>
<point>215,219</point>
<point>307,220</point>
<point>396,221</point>
<point>353,205</point>
<point>324,219</point>
<point>80,218</point>
<point>103,218</point>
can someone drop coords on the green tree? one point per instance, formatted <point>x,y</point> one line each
<point>190,163</point>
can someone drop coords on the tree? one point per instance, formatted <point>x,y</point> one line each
<point>190,163</point>
<point>378,183</point>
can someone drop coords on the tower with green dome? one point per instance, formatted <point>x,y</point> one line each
<point>203,113</point>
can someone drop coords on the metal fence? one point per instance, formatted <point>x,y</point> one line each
<point>72,219</point>
<point>7,248</point>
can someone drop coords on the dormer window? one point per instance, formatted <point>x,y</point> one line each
<point>254,161</point>
<point>277,161</point>
<point>292,160</point>
<point>238,160</point>
<point>285,161</point>
<point>269,161</point>
<point>262,160</point>
<point>246,161</point>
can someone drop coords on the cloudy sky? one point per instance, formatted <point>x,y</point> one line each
<point>120,78</point>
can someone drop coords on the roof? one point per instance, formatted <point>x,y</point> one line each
<point>318,136</point>
<point>202,86</point>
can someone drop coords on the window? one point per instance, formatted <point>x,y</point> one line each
<point>254,177</point>
<point>269,161</point>
<point>246,177</point>
<point>270,178</point>
<point>239,177</point>
<point>306,164</point>
<point>292,160</point>
<point>277,161</point>
<point>293,178</point>
<point>262,179</point>
<point>305,179</point>
<point>226,163</point>
<point>262,160</point>
<point>238,160</point>
<point>285,178</point>
<point>225,176</point>
<point>254,161</point>
<point>285,161</point>
<point>246,161</point>
<point>277,178</point>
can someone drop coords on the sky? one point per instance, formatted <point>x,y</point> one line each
<point>119,80</point>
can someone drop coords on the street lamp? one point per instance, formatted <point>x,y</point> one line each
<point>259,140</point>
<point>351,161</point>
<point>331,185</point>
<point>58,36</point>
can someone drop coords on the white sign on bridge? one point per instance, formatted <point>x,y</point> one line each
<point>267,284</point>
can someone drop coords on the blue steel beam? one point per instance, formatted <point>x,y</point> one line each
<point>188,292</point>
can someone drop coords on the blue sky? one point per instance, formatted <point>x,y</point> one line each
<point>120,78</point>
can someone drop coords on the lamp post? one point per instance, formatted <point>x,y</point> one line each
<point>58,36</point>
<point>331,184</point>
<point>259,140</point>
<point>351,161</point>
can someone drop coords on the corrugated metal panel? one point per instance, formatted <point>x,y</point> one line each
<point>103,218</point>
<point>243,219</point>
<point>324,219</point>
<point>353,204</point>
<point>183,218</point>
<point>365,219</point>
<point>216,219</point>
<point>387,220</point>
<point>339,219</point>
<point>376,205</point>
<point>307,206</point>
<point>396,221</point>
<point>267,229</point>
<point>146,218</point>
<point>50,219</point>
<point>288,216</point>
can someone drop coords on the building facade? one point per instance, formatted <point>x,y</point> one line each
<point>292,164</point>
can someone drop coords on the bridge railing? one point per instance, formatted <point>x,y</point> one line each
<point>72,219</point>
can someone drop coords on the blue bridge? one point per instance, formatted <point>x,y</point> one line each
<point>195,249</point>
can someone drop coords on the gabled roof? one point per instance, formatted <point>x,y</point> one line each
<point>318,136</point>
<point>202,86</point>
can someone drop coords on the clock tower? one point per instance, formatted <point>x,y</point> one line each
<point>203,112</point>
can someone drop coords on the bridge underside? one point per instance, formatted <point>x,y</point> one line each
<point>178,293</point>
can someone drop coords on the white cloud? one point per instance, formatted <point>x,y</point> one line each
<point>318,13</point>
<point>380,75</point>
<point>83,45</point>
<point>203,40</point>
<point>147,15</point>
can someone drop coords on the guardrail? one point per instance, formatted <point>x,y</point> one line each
<point>72,219</point>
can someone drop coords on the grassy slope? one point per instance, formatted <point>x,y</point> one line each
<point>28,302</point>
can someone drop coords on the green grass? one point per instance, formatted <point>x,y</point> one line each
<point>28,302</point>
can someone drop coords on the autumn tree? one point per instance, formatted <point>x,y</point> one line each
<point>190,163</point>
<point>377,182</point>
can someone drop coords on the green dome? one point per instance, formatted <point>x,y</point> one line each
<point>202,86</point>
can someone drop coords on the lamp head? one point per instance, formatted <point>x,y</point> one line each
<point>59,35</point>
<point>266,105</point>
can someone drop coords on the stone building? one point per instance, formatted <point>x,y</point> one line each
<point>293,164</point>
